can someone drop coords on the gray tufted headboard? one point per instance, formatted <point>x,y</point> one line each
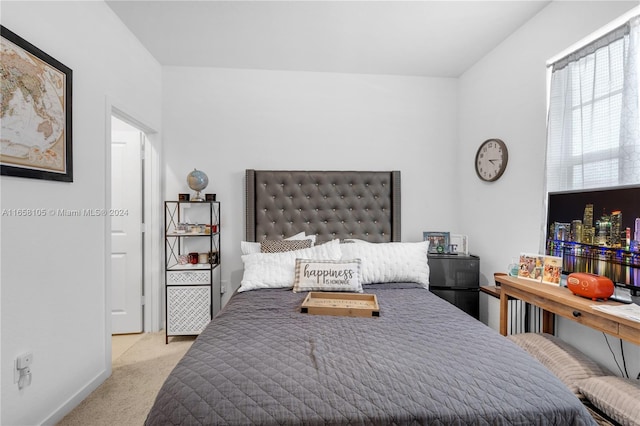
<point>330,204</point>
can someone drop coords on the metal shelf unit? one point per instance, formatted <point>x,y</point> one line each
<point>192,265</point>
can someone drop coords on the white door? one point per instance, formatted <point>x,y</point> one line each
<point>126,227</point>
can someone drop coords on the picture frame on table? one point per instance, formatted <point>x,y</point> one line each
<point>552,270</point>
<point>438,241</point>
<point>531,266</point>
<point>36,131</point>
<point>459,244</point>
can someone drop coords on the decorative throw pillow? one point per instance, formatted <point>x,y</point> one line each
<point>327,275</point>
<point>276,270</point>
<point>617,397</point>
<point>566,362</point>
<point>279,246</point>
<point>249,247</point>
<point>390,262</point>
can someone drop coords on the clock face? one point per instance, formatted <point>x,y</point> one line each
<point>491,160</point>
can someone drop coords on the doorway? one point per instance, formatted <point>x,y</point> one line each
<point>127,227</point>
<point>146,294</point>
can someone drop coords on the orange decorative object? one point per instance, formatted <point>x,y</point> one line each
<point>590,285</point>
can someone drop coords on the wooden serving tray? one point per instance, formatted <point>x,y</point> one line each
<point>341,304</point>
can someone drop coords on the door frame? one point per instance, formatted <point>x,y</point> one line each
<point>151,242</point>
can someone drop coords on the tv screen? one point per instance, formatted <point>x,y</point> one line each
<point>597,231</point>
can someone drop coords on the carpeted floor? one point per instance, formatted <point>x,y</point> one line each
<point>125,398</point>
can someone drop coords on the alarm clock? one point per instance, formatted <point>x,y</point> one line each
<point>590,285</point>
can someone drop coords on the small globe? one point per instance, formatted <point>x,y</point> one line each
<point>197,180</point>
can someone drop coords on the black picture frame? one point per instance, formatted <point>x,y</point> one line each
<point>56,161</point>
<point>438,241</point>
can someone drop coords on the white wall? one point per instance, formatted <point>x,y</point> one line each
<point>223,121</point>
<point>53,268</point>
<point>504,96</point>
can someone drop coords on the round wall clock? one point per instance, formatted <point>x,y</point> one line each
<point>491,159</point>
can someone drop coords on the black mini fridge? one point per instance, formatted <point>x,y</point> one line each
<point>456,278</point>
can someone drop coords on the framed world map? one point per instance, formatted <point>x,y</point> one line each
<point>35,102</point>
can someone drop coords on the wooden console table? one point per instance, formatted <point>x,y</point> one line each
<point>555,300</point>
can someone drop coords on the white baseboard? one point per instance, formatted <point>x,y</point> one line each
<point>76,399</point>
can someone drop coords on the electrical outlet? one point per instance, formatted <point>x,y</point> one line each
<point>223,287</point>
<point>21,362</point>
<point>22,369</point>
<point>24,360</point>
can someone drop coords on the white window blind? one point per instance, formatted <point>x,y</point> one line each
<point>593,136</point>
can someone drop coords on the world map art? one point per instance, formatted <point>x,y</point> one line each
<point>35,102</point>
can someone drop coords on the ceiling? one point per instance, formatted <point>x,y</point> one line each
<point>422,38</point>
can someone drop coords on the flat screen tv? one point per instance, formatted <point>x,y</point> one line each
<point>597,231</point>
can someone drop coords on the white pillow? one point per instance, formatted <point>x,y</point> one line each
<point>277,270</point>
<point>248,247</point>
<point>390,262</point>
<point>327,275</point>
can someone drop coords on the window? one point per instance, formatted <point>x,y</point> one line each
<point>593,136</point>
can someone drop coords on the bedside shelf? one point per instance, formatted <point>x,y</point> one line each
<point>192,290</point>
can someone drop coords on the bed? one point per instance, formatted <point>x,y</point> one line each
<point>421,361</point>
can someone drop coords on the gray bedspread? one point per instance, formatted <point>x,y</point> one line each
<point>423,361</point>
